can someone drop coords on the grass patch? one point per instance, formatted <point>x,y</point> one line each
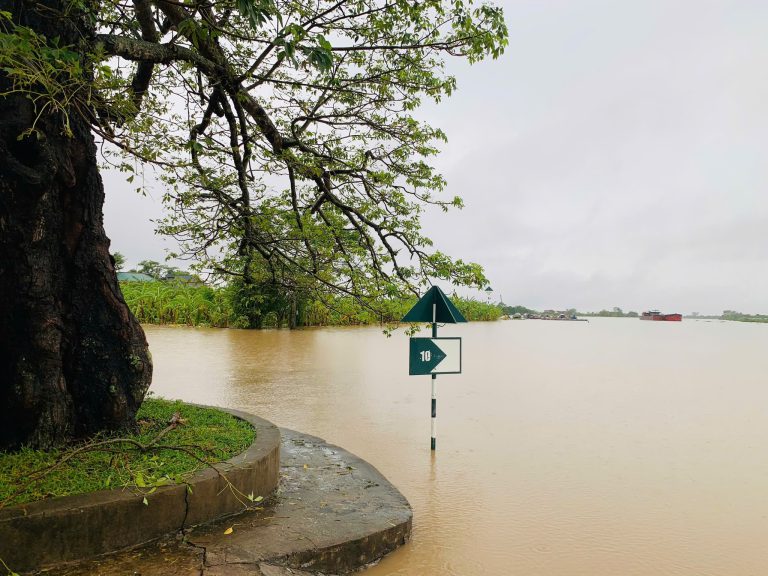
<point>202,434</point>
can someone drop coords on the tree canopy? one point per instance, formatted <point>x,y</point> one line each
<point>291,159</point>
<point>284,131</point>
<point>119,261</point>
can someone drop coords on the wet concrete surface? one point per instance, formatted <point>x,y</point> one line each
<point>333,513</point>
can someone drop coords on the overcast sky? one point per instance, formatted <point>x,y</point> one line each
<point>616,155</point>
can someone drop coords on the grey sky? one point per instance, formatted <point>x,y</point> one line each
<point>614,156</point>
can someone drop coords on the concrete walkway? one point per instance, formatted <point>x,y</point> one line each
<point>332,514</point>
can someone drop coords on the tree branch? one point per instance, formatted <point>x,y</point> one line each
<point>143,51</point>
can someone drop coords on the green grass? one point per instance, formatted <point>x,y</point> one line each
<point>209,434</point>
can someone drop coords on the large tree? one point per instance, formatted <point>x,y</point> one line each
<point>285,137</point>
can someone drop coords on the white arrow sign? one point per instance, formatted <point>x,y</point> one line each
<point>435,356</point>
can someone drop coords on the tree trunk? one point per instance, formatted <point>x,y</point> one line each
<point>73,359</point>
<point>293,314</point>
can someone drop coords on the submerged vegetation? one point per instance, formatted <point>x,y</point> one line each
<point>228,307</point>
<point>177,440</point>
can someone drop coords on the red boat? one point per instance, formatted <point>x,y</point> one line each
<point>656,315</point>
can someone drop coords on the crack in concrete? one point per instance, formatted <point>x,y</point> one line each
<point>186,508</point>
<point>203,555</point>
<point>203,549</point>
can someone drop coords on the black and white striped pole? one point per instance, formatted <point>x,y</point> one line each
<point>433,441</point>
<point>434,355</point>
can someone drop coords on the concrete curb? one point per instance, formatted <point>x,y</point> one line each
<point>82,526</point>
<point>333,513</point>
<point>341,514</point>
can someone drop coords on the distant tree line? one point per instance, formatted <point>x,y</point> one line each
<point>616,312</point>
<point>151,268</point>
<point>523,311</point>
<point>732,315</point>
<point>740,317</point>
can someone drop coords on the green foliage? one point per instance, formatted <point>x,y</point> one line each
<point>176,303</point>
<point>119,261</point>
<point>256,305</point>
<point>157,270</point>
<point>522,310</point>
<point>741,317</point>
<point>211,436</point>
<point>346,311</point>
<point>8,571</point>
<point>256,12</point>
<point>616,312</point>
<point>473,309</point>
<point>150,268</point>
<point>240,306</point>
<point>284,131</point>
<point>49,74</point>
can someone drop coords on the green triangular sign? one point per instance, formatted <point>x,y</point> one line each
<point>444,311</point>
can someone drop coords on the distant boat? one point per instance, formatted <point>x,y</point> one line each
<point>656,315</point>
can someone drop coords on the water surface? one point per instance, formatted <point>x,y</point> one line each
<point>565,448</point>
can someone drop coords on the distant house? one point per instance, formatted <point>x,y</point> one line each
<point>184,278</point>
<point>134,277</point>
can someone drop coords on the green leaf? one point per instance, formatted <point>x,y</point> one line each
<point>256,12</point>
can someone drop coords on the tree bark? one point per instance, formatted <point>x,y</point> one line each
<point>293,314</point>
<point>73,359</point>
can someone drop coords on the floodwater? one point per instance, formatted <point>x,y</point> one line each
<point>613,447</point>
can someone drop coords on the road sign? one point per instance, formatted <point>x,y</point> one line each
<point>434,306</point>
<point>434,356</point>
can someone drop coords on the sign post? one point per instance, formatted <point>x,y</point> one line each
<point>434,355</point>
<point>433,420</point>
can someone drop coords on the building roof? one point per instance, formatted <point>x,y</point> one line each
<point>184,278</point>
<point>134,277</point>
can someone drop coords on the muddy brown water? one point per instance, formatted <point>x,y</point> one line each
<point>565,448</point>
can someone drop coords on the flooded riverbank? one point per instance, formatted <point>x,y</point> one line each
<point>609,447</point>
